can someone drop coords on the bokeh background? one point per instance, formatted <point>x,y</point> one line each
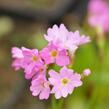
<point>23,23</point>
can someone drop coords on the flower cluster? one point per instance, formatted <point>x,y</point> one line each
<point>36,64</point>
<point>99,14</point>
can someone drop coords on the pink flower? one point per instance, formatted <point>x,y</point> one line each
<point>99,14</point>
<point>51,54</point>
<point>40,86</point>
<point>97,6</point>
<point>32,63</point>
<point>29,60</point>
<point>87,72</point>
<point>100,21</point>
<point>18,57</point>
<point>64,82</point>
<point>64,39</point>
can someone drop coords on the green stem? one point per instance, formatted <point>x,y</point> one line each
<point>92,102</point>
<point>53,102</point>
<point>100,41</point>
<point>56,105</point>
<point>60,104</point>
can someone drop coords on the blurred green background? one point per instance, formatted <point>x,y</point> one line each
<point>23,23</point>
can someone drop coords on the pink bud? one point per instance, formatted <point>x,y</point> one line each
<point>87,72</point>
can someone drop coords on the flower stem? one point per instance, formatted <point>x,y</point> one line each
<point>60,104</point>
<point>53,102</point>
<point>100,41</point>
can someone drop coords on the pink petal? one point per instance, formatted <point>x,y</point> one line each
<point>44,94</point>
<point>64,91</point>
<point>58,95</point>
<point>16,52</point>
<point>36,92</point>
<point>62,60</point>
<point>53,74</point>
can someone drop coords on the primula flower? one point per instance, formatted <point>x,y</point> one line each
<point>97,6</point>
<point>32,62</point>
<point>18,57</point>
<point>64,39</point>
<point>40,86</point>
<point>29,60</point>
<point>64,82</point>
<point>51,54</point>
<point>59,51</point>
<point>98,11</point>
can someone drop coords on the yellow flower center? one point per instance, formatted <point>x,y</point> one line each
<point>65,81</point>
<point>54,53</point>
<point>34,58</point>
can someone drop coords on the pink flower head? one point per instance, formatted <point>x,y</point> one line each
<point>97,6</point>
<point>32,62</point>
<point>51,54</point>
<point>87,72</point>
<point>40,86</point>
<point>99,14</point>
<point>18,57</point>
<point>100,21</point>
<point>64,82</point>
<point>64,39</point>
